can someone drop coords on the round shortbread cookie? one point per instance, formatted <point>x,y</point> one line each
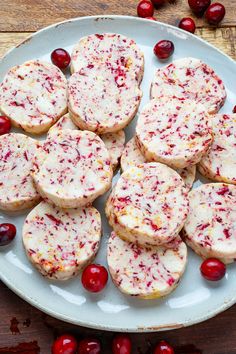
<point>60,242</point>
<point>34,95</point>
<point>173,131</point>
<point>190,78</point>
<point>220,162</point>
<point>148,205</point>
<point>111,48</point>
<point>210,229</point>
<point>147,273</point>
<point>114,142</point>
<point>132,156</point>
<point>102,98</point>
<point>17,190</point>
<point>72,168</point>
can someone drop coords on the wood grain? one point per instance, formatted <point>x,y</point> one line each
<point>222,38</point>
<point>28,15</point>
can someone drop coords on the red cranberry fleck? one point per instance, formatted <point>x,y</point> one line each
<point>187,24</point>
<point>89,346</point>
<point>234,109</point>
<point>7,233</point>
<point>94,278</point>
<point>61,58</point>
<point>151,18</point>
<point>145,8</point>
<point>121,344</point>
<point>215,13</point>
<point>158,3</point>
<point>5,125</point>
<point>163,348</point>
<point>199,6</point>
<point>213,269</point>
<point>164,49</point>
<point>65,344</point>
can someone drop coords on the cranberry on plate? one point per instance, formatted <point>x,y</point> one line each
<point>89,346</point>
<point>163,348</point>
<point>215,13</point>
<point>234,109</point>
<point>7,233</point>
<point>213,269</point>
<point>61,58</point>
<point>121,344</point>
<point>187,24</point>
<point>5,125</point>
<point>164,49</point>
<point>145,8</point>
<point>199,6</point>
<point>94,278</point>
<point>151,18</point>
<point>65,344</point>
<point>158,3</point>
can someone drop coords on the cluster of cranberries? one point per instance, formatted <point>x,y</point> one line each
<point>121,344</point>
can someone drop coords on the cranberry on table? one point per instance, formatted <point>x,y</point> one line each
<point>187,24</point>
<point>89,346</point>
<point>5,125</point>
<point>121,344</point>
<point>199,6</point>
<point>234,109</point>
<point>158,3</point>
<point>7,233</point>
<point>145,9</point>
<point>213,269</point>
<point>215,13</point>
<point>164,348</point>
<point>65,344</point>
<point>61,58</point>
<point>94,278</point>
<point>164,49</point>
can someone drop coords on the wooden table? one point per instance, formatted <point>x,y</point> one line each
<point>20,322</point>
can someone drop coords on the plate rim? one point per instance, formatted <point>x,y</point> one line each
<point>226,304</point>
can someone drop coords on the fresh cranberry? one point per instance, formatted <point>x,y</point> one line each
<point>94,278</point>
<point>61,58</point>
<point>187,24</point>
<point>151,18</point>
<point>234,109</point>
<point>213,269</point>
<point>145,9</point>
<point>5,125</point>
<point>65,344</point>
<point>215,13</point>
<point>89,346</point>
<point>164,49</point>
<point>121,344</point>
<point>7,233</point>
<point>163,348</point>
<point>158,3</point>
<point>199,6</point>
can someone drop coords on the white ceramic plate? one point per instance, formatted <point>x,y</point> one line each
<point>195,300</point>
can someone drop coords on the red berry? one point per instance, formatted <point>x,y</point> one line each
<point>5,125</point>
<point>187,24</point>
<point>158,3</point>
<point>215,13</point>
<point>65,344</point>
<point>7,233</point>
<point>94,278</point>
<point>61,58</point>
<point>151,18</point>
<point>164,49</point>
<point>121,344</point>
<point>89,346</point>
<point>164,348</point>
<point>213,269</point>
<point>199,6</point>
<point>145,8</point>
<point>234,109</point>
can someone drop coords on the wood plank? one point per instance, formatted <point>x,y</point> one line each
<point>222,38</point>
<point>30,324</point>
<point>28,15</point>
